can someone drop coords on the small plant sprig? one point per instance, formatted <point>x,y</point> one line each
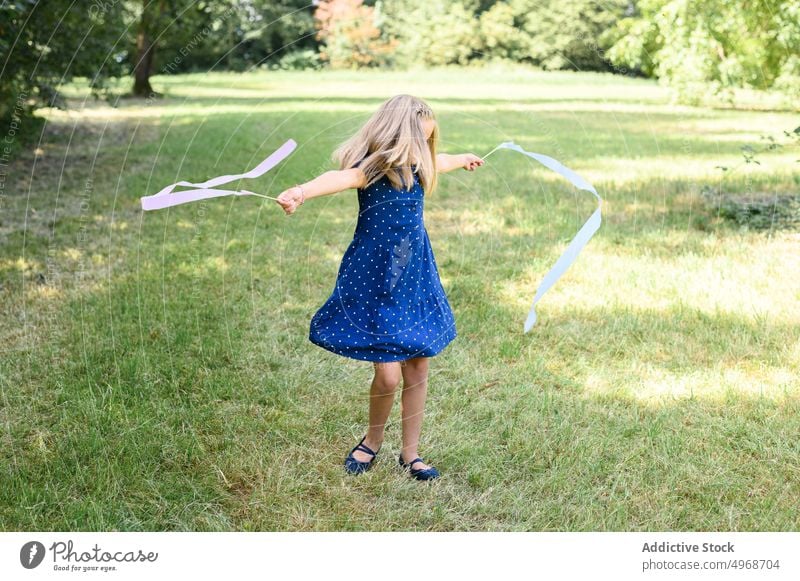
<point>749,152</point>
<point>759,212</point>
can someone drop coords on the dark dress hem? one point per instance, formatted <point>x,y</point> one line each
<point>327,347</point>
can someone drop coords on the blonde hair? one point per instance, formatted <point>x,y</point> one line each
<point>393,140</point>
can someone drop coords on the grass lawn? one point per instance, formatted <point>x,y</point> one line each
<point>155,370</point>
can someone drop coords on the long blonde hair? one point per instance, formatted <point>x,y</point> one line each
<point>391,142</point>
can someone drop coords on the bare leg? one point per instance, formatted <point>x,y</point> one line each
<point>381,398</point>
<point>412,405</point>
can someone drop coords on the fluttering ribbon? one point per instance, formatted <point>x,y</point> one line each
<point>581,238</point>
<point>167,197</point>
<point>207,189</point>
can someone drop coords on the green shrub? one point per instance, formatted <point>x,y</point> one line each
<point>756,212</point>
<point>299,60</point>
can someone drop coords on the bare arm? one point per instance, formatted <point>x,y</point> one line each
<point>446,162</point>
<point>330,182</point>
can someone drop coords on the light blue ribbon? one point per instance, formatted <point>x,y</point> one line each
<point>581,238</point>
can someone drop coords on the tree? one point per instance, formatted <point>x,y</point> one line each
<point>699,45</point>
<point>554,34</point>
<point>46,44</point>
<point>348,30</point>
<point>432,32</point>
<point>184,31</point>
<point>149,23</point>
<point>268,31</point>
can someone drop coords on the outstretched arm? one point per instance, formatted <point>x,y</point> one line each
<point>330,182</point>
<point>446,162</point>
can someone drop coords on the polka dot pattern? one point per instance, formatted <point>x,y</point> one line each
<point>388,303</point>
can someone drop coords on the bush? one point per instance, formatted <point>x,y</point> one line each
<point>764,212</point>
<point>351,34</point>
<point>431,32</point>
<point>299,60</point>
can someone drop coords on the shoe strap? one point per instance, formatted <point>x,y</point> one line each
<point>415,460</point>
<point>365,448</point>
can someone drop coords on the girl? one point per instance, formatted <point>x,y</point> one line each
<point>388,306</point>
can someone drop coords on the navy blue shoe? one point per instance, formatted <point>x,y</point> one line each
<point>419,473</point>
<point>354,466</point>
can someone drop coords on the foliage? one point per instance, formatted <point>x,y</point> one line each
<point>551,34</point>
<point>698,47</point>
<point>350,34</point>
<point>432,32</point>
<point>172,36</point>
<point>298,60</point>
<point>701,45</point>
<point>502,34</point>
<point>224,34</point>
<point>566,34</point>
<point>43,47</point>
<point>263,32</point>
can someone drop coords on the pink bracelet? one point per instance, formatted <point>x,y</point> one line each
<point>303,193</point>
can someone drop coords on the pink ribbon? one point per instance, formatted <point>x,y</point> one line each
<point>167,197</point>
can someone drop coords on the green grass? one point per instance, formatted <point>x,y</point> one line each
<point>156,372</point>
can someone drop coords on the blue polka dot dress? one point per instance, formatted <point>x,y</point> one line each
<point>388,303</point>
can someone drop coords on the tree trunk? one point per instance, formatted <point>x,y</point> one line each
<point>145,49</point>
<point>144,61</point>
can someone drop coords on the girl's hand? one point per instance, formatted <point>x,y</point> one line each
<point>290,199</point>
<point>471,161</point>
